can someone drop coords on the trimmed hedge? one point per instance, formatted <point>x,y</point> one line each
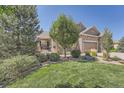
<point>42,57</point>
<point>15,67</point>
<point>75,53</point>
<point>54,57</point>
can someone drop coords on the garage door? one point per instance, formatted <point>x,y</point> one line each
<point>89,46</point>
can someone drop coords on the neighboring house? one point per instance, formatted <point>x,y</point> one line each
<point>89,38</point>
<point>115,44</point>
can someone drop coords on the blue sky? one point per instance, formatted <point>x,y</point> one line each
<point>100,16</point>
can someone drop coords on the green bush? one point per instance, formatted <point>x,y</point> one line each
<point>87,53</point>
<point>93,53</point>
<point>54,57</point>
<point>114,50</point>
<point>75,53</point>
<point>15,67</point>
<point>41,57</point>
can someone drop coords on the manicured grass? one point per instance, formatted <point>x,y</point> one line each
<point>91,74</point>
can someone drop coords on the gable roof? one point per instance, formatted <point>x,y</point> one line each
<point>44,35</point>
<point>81,25</point>
<point>91,31</point>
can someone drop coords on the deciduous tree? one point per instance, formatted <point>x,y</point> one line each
<point>65,32</point>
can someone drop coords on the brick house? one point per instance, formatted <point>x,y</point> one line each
<point>89,38</point>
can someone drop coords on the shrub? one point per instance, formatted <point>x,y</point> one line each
<point>114,50</point>
<point>93,52</point>
<point>75,53</point>
<point>41,57</point>
<point>87,53</point>
<point>54,57</point>
<point>15,67</point>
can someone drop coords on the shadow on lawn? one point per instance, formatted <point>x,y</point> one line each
<point>79,85</point>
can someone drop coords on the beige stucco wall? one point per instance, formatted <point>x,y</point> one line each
<point>86,42</point>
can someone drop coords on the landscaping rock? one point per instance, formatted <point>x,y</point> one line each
<point>89,58</point>
<point>2,85</point>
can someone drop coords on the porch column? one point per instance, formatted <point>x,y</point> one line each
<point>80,44</point>
<point>97,45</point>
<point>52,49</point>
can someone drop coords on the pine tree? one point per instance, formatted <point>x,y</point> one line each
<point>19,30</point>
<point>7,44</point>
<point>27,28</point>
<point>107,42</point>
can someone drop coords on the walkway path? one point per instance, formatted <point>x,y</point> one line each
<point>120,55</point>
<point>100,60</point>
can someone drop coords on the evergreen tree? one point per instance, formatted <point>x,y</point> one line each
<point>18,31</point>
<point>7,44</point>
<point>6,9</point>
<point>107,42</point>
<point>26,29</point>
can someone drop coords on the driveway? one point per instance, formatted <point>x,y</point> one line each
<point>120,55</point>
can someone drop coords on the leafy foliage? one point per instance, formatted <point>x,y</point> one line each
<point>93,53</point>
<point>75,53</point>
<point>54,57</point>
<point>87,53</point>
<point>65,32</point>
<point>11,69</point>
<point>41,57</point>
<point>114,49</point>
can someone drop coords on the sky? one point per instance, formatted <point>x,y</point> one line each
<point>99,16</point>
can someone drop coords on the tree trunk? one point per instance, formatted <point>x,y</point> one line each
<point>107,53</point>
<point>65,52</point>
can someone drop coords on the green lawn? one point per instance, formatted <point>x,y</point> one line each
<point>91,74</point>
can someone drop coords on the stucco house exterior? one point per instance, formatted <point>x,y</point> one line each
<point>116,44</point>
<point>89,38</point>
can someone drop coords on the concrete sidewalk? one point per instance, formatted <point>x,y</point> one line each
<point>119,55</point>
